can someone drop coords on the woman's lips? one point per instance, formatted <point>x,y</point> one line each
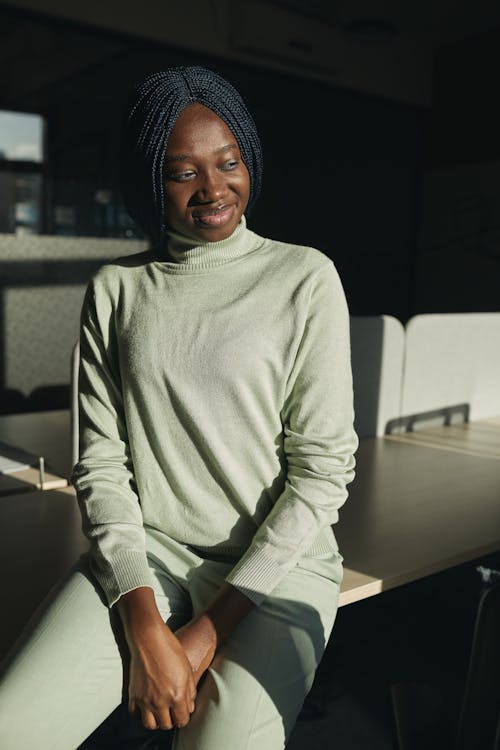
<point>215,217</point>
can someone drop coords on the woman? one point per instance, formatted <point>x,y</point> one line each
<point>216,444</point>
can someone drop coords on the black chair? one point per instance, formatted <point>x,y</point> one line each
<point>417,707</point>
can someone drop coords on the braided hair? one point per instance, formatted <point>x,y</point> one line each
<point>154,105</point>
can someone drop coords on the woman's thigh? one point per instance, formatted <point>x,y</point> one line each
<point>65,674</point>
<point>255,687</point>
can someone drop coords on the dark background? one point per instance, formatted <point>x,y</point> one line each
<point>346,171</point>
<point>390,167</point>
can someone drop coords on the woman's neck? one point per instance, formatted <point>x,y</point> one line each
<point>189,252</point>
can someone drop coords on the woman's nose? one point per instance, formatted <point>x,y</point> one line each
<point>211,186</point>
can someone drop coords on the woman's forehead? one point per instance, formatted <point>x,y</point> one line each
<point>198,125</point>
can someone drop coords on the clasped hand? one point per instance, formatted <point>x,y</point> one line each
<point>165,669</point>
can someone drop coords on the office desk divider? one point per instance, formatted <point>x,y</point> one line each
<point>452,359</point>
<point>377,354</point>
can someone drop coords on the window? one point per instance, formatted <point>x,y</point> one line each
<point>22,164</point>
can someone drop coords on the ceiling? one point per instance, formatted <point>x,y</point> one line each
<point>440,21</point>
<point>37,51</point>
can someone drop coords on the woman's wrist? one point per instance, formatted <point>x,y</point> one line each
<point>138,611</point>
<point>226,610</point>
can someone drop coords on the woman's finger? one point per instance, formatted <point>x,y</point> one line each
<point>164,719</point>
<point>180,715</point>
<point>132,708</point>
<point>148,719</point>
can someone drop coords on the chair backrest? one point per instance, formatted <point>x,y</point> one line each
<point>452,359</point>
<point>75,364</point>
<point>377,354</point>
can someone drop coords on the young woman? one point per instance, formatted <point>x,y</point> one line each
<point>216,445</point>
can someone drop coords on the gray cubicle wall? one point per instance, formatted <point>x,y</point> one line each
<point>42,282</point>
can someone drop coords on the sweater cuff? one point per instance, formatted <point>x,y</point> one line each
<point>125,571</point>
<point>255,575</point>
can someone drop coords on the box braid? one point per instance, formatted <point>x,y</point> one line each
<point>153,107</point>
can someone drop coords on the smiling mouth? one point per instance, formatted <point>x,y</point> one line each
<point>214,217</point>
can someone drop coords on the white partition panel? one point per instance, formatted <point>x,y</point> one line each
<point>42,284</point>
<point>452,359</point>
<point>41,324</point>
<point>377,354</point>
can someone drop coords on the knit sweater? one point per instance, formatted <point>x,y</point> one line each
<point>216,407</point>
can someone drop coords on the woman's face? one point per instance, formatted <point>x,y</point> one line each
<point>207,185</point>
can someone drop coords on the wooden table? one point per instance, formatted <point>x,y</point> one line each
<point>478,438</point>
<point>412,511</point>
<point>46,434</point>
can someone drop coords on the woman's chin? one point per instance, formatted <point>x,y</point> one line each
<point>213,233</point>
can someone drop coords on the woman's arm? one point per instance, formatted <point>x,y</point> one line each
<point>161,685</point>
<point>319,442</point>
<point>104,475</point>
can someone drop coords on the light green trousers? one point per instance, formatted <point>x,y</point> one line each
<point>65,674</point>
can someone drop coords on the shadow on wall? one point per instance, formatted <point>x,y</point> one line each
<point>447,415</point>
<point>377,355</point>
<point>44,398</point>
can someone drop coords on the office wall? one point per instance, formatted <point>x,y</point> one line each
<point>458,258</point>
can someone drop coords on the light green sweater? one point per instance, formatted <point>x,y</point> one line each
<point>215,406</point>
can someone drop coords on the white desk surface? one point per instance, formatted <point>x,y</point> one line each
<point>29,479</point>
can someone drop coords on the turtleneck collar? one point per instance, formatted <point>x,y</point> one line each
<point>182,253</point>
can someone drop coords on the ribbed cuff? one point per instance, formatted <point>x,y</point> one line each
<point>255,575</point>
<point>324,544</point>
<point>125,571</point>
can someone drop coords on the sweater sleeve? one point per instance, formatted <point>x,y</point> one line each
<point>319,442</point>
<point>103,476</point>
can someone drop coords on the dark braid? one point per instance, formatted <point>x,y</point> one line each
<point>153,107</point>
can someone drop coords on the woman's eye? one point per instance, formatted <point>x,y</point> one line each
<point>231,164</point>
<point>180,176</point>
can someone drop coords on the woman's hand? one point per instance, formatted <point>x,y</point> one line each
<point>198,638</point>
<point>201,637</point>
<point>161,683</point>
